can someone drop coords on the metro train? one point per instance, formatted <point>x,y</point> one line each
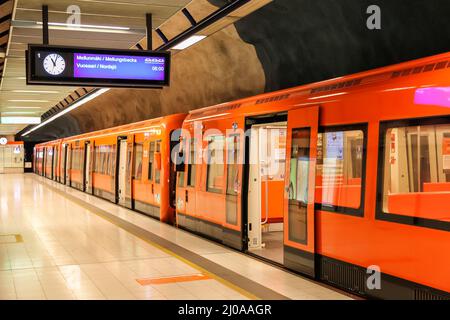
<point>346,181</point>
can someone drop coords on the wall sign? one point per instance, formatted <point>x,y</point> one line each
<point>55,65</point>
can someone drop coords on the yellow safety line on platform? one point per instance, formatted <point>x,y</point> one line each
<point>164,249</point>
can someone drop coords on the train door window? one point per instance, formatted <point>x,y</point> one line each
<point>192,163</point>
<point>215,171</point>
<point>151,157</point>
<point>157,171</point>
<point>298,185</point>
<point>233,184</point>
<point>340,169</point>
<point>415,168</point>
<point>138,153</point>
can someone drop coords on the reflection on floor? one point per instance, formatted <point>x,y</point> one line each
<point>273,249</point>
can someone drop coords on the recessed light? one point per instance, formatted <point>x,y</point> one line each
<point>28,100</point>
<point>83,26</point>
<point>189,42</point>
<point>34,91</point>
<point>19,112</point>
<point>23,107</point>
<point>20,120</point>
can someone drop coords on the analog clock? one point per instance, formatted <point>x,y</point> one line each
<point>54,64</point>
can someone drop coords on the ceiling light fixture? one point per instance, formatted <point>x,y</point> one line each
<point>67,110</point>
<point>33,91</point>
<point>189,42</point>
<point>26,100</point>
<point>19,112</point>
<point>84,26</point>
<point>23,107</point>
<point>20,120</point>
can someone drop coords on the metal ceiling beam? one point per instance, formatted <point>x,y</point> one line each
<point>188,15</point>
<point>202,24</point>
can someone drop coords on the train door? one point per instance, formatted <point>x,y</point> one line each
<point>266,190</point>
<point>55,163</point>
<point>68,164</point>
<point>87,167</point>
<point>122,172</point>
<point>44,159</point>
<point>299,221</point>
<point>62,167</point>
<point>52,163</point>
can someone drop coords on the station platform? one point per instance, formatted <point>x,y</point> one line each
<point>59,243</point>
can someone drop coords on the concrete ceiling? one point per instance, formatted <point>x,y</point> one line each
<point>18,99</point>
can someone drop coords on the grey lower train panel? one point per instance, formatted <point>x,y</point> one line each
<point>299,261</point>
<point>211,230</point>
<point>358,280</point>
<point>147,209</point>
<point>105,195</point>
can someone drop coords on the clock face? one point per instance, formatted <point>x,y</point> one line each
<point>54,64</point>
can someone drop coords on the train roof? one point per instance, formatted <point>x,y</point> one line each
<point>394,74</point>
<point>131,126</point>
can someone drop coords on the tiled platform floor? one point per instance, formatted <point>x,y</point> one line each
<point>65,251</point>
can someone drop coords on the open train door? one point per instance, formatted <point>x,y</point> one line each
<point>299,225</point>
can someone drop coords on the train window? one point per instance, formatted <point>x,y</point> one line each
<point>138,153</point>
<point>233,164</point>
<point>151,157</point>
<point>415,169</point>
<point>103,164</point>
<point>215,172</point>
<point>192,165</point>
<point>112,168</point>
<point>340,169</point>
<point>158,172</point>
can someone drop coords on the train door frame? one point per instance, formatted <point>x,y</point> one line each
<point>87,172</point>
<point>296,256</point>
<point>264,227</point>
<point>249,122</point>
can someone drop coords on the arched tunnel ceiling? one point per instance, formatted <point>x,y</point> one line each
<point>283,44</point>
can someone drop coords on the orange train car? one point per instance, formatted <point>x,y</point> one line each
<point>46,159</point>
<point>356,171</point>
<point>128,165</point>
<point>336,180</point>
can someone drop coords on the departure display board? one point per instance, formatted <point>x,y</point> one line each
<point>51,65</point>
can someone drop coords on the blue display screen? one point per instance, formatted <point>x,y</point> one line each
<point>53,65</point>
<point>106,66</point>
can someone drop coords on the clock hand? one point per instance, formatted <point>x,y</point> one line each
<point>54,62</point>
